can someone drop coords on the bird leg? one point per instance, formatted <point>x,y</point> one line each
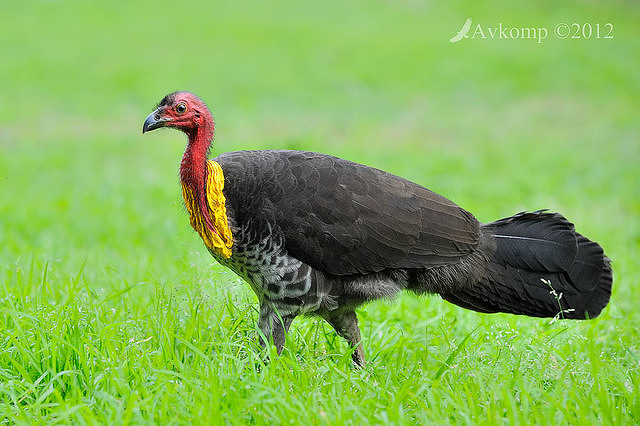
<point>346,325</point>
<point>274,327</point>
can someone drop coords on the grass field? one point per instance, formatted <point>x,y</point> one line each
<point>112,312</point>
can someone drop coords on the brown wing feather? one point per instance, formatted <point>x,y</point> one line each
<point>345,218</point>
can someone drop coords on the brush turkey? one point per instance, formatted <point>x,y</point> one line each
<point>313,234</point>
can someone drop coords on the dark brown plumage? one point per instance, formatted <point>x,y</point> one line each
<point>314,234</point>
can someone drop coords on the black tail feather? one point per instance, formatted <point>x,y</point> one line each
<point>539,267</point>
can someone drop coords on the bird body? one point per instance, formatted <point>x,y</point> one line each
<point>315,234</point>
<point>462,33</point>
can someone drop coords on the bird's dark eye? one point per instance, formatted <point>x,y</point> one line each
<point>181,108</point>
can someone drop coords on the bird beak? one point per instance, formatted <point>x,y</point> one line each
<point>154,121</point>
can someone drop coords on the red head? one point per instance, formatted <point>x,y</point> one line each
<point>183,111</point>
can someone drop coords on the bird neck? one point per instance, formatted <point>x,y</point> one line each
<point>193,168</point>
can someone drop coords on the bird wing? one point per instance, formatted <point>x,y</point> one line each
<point>343,217</point>
<point>456,38</point>
<point>466,27</point>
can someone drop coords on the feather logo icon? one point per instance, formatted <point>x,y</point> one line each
<point>462,33</point>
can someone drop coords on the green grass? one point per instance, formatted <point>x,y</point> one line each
<point>111,311</point>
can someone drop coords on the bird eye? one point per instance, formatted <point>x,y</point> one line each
<point>181,108</point>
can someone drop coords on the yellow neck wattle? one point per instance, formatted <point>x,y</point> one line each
<point>220,239</point>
